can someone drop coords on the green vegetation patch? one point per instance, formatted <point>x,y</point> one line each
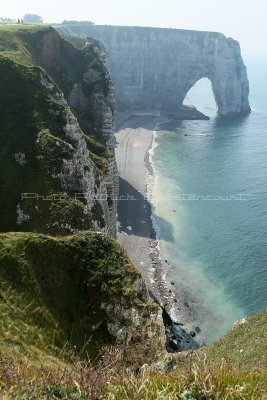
<point>52,291</point>
<point>12,42</point>
<point>245,346</point>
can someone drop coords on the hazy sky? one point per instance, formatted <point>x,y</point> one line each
<point>244,20</point>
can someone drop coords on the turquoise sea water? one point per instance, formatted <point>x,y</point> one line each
<point>217,245</point>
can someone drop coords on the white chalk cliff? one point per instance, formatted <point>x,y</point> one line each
<point>153,67</point>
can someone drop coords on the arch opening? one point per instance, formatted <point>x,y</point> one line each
<point>201,96</point>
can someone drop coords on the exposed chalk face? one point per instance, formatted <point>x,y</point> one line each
<point>59,145</point>
<point>155,68</point>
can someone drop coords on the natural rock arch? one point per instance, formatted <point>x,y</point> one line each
<point>229,83</point>
<point>201,95</point>
<point>155,68</point>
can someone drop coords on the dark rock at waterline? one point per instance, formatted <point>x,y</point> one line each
<point>193,334</point>
<point>177,339</point>
<point>186,304</point>
<point>197,329</point>
<point>166,318</point>
<point>173,345</point>
<point>172,283</point>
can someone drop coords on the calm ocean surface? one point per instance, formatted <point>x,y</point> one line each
<point>217,245</point>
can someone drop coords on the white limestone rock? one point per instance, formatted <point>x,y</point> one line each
<point>20,158</point>
<point>21,216</point>
<point>155,68</point>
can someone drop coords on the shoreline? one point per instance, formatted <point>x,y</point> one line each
<point>143,247</point>
<point>174,303</point>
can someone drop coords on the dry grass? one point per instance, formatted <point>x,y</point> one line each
<point>199,381</point>
<point>78,379</point>
<point>108,379</point>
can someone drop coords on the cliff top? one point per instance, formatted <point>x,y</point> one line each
<point>22,27</point>
<point>14,41</point>
<point>141,29</point>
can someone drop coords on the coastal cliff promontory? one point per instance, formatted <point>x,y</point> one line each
<point>155,68</point>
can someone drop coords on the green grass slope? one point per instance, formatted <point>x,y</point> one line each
<point>245,346</point>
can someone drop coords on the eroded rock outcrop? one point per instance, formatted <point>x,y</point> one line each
<point>155,68</point>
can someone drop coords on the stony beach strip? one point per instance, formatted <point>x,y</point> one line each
<point>137,235</point>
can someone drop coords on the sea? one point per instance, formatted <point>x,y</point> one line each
<point>209,205</point>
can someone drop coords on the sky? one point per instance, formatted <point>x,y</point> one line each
<point>244,20</point>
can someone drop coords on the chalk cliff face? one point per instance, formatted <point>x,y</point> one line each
<point>57,109</point>
<point>155,68</point>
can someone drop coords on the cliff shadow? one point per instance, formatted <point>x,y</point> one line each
<point>134,212</point>
<point>132,120</point>
<point>168,120</point>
